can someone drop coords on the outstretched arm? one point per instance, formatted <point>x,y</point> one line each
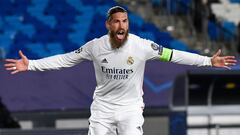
<point>55,62</point>
<point>223,61</point>
<point>19,65</point>
<point>186,58</point>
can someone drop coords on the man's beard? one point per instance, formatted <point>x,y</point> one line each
<point>114,42</point>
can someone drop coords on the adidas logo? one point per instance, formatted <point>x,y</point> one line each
<point>104,60</point>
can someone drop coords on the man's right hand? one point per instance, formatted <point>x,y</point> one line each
<point>15,65</point>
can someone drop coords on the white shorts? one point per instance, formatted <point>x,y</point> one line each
<point>123,121</point>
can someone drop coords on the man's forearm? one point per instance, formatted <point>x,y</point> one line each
<point>187,58</point>
<point>53,63</point>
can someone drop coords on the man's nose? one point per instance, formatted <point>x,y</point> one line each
<point>121,25</point>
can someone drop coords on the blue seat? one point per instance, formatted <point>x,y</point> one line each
<point>21,3</point>
<point>235,1</point>
<point>38,49</point>
<point>102,9</point>
<point>87,9</point>
<point>156,2</point>
<point>135,20</point>
<point>149,27</point>
<point>48,20</point>
<point>85,17</point>
<point>1,23</point>
<point>163,38</point>
<point>53,26</point>
<point>77,4</point>
<point>147,35</point>
<point>213,31</point>
<point>54,48</point>
<point>5,42</point>
<point>184,6</point>
<point>134,28</point>
<point>5,6</point>
<point>178,45</point>
<point>77,38</point>
<point>230,30</point>
<point>35,11</point>
<point>81,27</point>
<point>14,20</point>
<point>90,2</point>
<point>28,30</point>
<point>40,3</point>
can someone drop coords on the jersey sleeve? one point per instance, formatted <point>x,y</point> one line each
<point>186,58</point>
<point>63,60</point>
<point>155,51</point>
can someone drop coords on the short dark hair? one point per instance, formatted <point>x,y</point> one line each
<point>114,10</point>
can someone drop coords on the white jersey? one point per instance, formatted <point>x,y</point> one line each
<point>119,72</point>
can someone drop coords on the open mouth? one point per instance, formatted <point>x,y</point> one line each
<point>120,34</point>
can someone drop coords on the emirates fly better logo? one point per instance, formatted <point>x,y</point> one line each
<point>117,73</point>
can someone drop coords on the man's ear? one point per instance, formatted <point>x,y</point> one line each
<point>107,25</point>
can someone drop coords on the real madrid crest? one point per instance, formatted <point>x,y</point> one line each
<point>130,60</point>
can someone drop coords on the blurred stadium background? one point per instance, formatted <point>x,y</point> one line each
<point>180,100</point>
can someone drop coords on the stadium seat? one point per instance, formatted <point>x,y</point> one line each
<point>76,4</point>
<point>5,42</point>
<point>147,35</point>
<point>28,30</point>
<point>136,23</point>
<point>184,6</point>
<point>102,9</point>
<point>65,25</point>
<point>54,48</point>
<point>213,31</point>
<point>230,30</point>
<point>235,1</point>
<point>176,44</point>
<point>149,27</point>
<point>37,49</point>
<point>164,38</point>
<point>5,7</point>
